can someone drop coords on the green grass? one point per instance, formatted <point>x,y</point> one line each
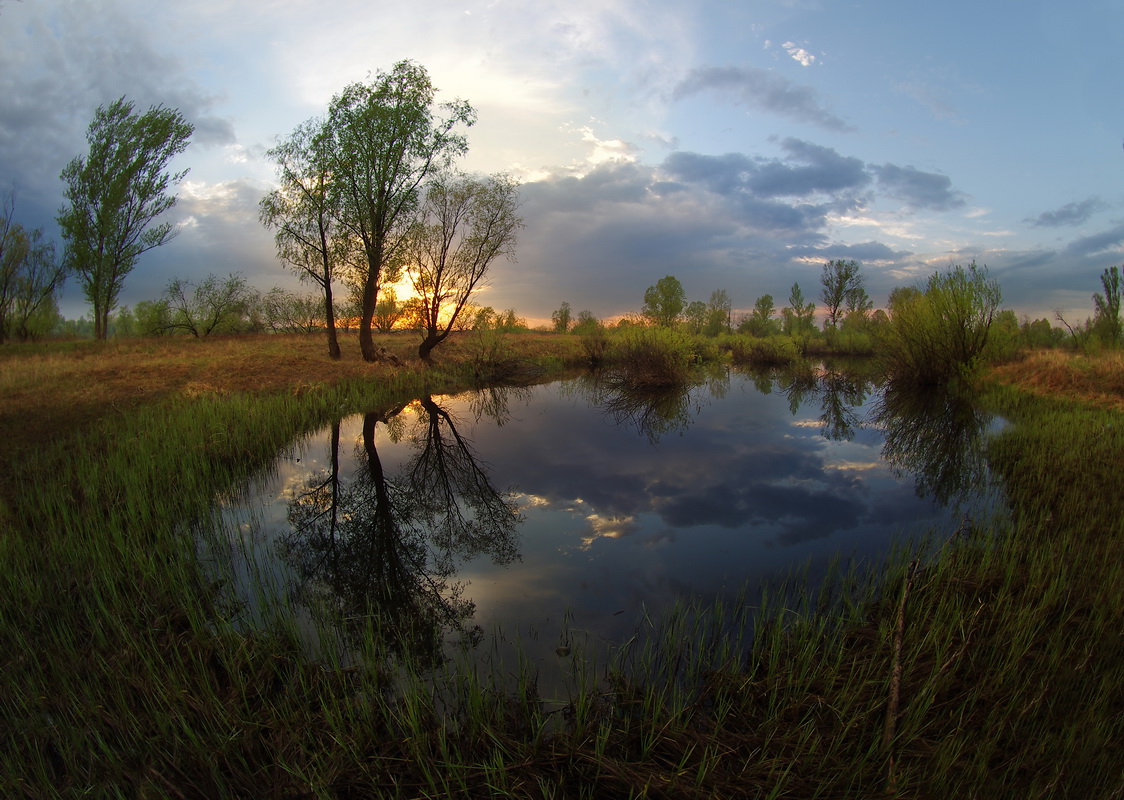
<point>989,665</point>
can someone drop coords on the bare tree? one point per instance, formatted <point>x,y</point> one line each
<point>465,224</point>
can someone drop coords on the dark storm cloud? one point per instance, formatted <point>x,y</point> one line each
<point>1070,214</point>
<point>740,222</point>
<point>762,89</point>
<point>919,190</point>
<point>61,62</point>
<point>1097,243</point>
<point>809,168</point>
<point>219,233</point>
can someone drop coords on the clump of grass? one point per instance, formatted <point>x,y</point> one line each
<point>774,351</point>
<point>652,356</point>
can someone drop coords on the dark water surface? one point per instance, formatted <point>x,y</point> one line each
<point>574,509</point>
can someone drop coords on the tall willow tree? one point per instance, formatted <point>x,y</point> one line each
<point>382,141</point>
<point>114,194</point>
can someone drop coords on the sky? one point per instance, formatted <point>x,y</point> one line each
<point>737,145</point>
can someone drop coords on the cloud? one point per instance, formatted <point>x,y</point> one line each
<point>1111,239</point>
<point>799,54</point>
<point>865,252</point>
<point>808,169</point>
<point>760,88</point>
<point>1070,214</point>
<point>62,61</point>
<point>919,190</point>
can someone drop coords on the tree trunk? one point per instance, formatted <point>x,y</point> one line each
<point>330,322</point>
<point>425,349</point>
<point>366,336</point>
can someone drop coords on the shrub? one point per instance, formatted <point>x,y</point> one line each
<point>652,357</point>
<point>938,335</point>
<point>773,351</point>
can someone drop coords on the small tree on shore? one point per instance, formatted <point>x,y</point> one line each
<point>465,224</point>
<point>940,334</point>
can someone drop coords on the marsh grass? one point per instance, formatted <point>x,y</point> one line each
<point>987,663</point>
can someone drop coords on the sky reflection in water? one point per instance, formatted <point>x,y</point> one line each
<point>512,507</point>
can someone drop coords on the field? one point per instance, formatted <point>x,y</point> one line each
<point>993,669</point>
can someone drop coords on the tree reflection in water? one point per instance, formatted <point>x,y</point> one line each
<point>382,549</point>
<point>939,437</point>
<point>654,410</point>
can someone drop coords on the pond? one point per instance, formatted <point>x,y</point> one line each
<point>576,509</point>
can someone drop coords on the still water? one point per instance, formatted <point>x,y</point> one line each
<point>574,509</point>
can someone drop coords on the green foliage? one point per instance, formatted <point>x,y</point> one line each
<point>799,316</point>
<point>842,287</point>
<point>664,302</point>
<point>694,317</point>
<point>594,337</point>
<point>307,236</point>
<point>760,321</point>
<point>381,141</point>
<point>114,194</point>
<point>717,320</point>
<point>283,311</point>
<point>560,318</point>
<point>151,317</point>
<point>1106,319</point>
<point>765,351</point>
<point>643,356</point>
<point>942,333</point>
<point>1040,333</point>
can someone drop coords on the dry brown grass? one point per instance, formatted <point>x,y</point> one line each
<point>1096,380</point>
<point>48,390</point>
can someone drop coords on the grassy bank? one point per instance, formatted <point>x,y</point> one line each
<point>992,669</point>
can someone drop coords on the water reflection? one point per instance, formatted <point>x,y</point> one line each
<point>654,411</point>
<point>623,501</point>
<point>383,549</point>
<point>938,437</point>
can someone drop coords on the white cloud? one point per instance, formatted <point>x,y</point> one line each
<point>799,54</point>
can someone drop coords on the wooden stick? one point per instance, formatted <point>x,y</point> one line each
<point>896,672</point>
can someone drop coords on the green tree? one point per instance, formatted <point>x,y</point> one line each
<point>717,313</point>
<point>114,194</point>
<point>760,321</point>
<point>465,224</point>
<point>560,318</point>
<point>841,280</point>
<point>664,302</point>
<point>382,142</point>
<point>799,316</point>
<point>694,315</point>
<point>937,335</point>
<point>307,236</point>
<point>1106,319</point>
